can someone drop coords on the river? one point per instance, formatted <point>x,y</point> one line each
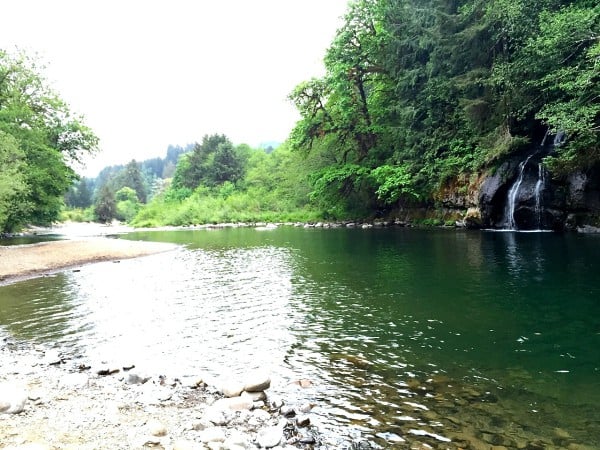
<point>442,337</point>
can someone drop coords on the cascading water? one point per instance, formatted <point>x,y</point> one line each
<point>513,193</point>
<point>539,186</point>
<point>525,197</point>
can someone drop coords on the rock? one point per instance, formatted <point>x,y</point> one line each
<point>303,421</point>
<point>255,396</point>
<point>257,382</point>
<point>136,378</point>
<point>261,415</point>
<point>156,428</point>
<point>588,229</point>
<point>305,408</point>
<point>213,434</point>
<point>473,218</point>
<point>12,399</point>
<point>232,389</point>
<point>234,403</point>
<point>269,437</point>
<point>52,357</point>
<point>217,416</point>
<point>287,411</point>
<point>561,434</point>
<point>237,439</point>
<point>106,369</point>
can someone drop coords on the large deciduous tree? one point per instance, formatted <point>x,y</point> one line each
<point>41,140</point>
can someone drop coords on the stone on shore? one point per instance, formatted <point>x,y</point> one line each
<point>234,404</point>
<point>156,428</point>
<point>255,396</point>
<point>136,378</point>
<point>12,399</point>
<point>269,437</point>
<point>257,382</point>
<point>52,357</point>
<point>232,389</point>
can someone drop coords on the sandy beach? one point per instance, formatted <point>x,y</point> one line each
<point>25,261</point>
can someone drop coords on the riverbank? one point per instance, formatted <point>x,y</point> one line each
<point>48,402</point>
<point>26,261</point>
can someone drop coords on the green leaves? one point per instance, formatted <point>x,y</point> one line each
<point>45,139</point>
<point>393,183</point>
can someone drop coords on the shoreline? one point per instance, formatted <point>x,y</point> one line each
<point>21,262</point>
<point>52,401</point>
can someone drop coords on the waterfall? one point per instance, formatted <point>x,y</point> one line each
<point>513,193</point>
<point>539,186</point>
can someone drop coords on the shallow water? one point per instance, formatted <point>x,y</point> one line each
<point>406,335</point>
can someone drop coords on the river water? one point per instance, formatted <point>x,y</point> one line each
<point>406,336</point>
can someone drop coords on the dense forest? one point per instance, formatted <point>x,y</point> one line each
<point>421,95</point>
<point>419,99</point>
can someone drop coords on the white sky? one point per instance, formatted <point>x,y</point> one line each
<point>146,74</point>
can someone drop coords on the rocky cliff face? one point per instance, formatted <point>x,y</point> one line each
<point>521,195</point>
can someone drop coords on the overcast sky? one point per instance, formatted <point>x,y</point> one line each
<point>146,74</point>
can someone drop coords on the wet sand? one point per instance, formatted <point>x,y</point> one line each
<point>27,261</point>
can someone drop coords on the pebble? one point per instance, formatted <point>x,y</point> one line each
<point>136,378</point>
<point>156,428</point>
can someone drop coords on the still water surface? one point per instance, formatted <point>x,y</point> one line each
<point>431,336</point>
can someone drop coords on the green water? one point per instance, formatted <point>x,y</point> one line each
<point>406,335</point>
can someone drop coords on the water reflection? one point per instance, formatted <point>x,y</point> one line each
<point>403,334</point>
<point>43,309</point>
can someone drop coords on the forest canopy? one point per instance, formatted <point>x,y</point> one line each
<point>417,93</point>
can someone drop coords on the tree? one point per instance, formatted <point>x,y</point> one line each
<point>105,208</point>
<point>127,204</point>
<point>49,136</point>
<point>12,183</point>
<point>227,165</point>
<point>132,177</point>
<point>79,195</point>
<point>211,163</point>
